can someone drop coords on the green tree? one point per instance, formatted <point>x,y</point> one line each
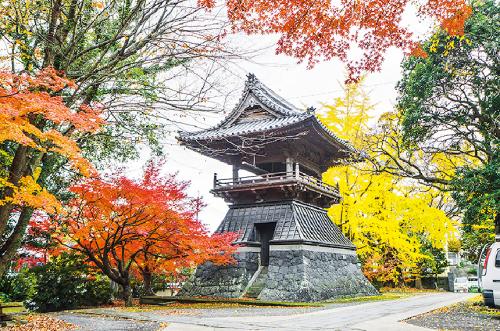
<point>67,282</point>
<point>449,119</point>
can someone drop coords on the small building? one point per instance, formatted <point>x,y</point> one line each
<point>289,249</point>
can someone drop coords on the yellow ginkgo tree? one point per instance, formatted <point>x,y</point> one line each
<point>391,221</point>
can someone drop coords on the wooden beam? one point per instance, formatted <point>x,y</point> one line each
<point>252,168</point>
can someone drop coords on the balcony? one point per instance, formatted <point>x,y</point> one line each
<point>275,186</point>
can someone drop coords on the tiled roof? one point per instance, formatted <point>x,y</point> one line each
<point>268,97</point>
<point>282,114</point>
<point>254,91</point>
<point>295,222</point>
<point>315,225</point>
<point>245,128</point>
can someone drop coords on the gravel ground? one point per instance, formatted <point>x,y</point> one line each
<point>92,323</point>
<point>458,317</point>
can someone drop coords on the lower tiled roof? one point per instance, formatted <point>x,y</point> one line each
<point>315,225</point>
<point>295,222</point>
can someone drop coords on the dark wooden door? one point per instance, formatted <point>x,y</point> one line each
<point>266,233</point>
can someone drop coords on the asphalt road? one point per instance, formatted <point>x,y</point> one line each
<point>381,315</point>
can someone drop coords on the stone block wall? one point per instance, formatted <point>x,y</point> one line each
<point>312,275</point>
<point>222,281</point>
<point>295,273</point>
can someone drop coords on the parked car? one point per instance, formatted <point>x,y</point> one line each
<point>473,284</point>
<point>490,276</point>
<point>460,284</point>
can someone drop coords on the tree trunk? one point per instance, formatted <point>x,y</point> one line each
<point>127,294</point>
<point>16,171</point>
<point>148,280</point>
<point>418,283</point>
<point>9,248</point>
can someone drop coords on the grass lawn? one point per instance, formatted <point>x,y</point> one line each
<point>190,301</point>
<point>197,305</point>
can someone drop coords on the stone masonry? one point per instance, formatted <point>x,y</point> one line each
<point>312,274</point>
<point>295,273</point>
<point>222,281</point>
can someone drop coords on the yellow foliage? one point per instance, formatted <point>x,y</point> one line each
<point>29,193</point>
<point>384,216</point>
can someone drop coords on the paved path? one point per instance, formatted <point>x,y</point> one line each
<point>380,315</point>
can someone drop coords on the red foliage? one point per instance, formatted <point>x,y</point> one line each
<point>124,226</point>
<point>315,30</point>
<point>36,248</point>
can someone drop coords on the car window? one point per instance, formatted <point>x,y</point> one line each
<point>497,259</point>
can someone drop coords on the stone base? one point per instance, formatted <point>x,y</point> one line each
<point>222,281</point>
<point>313,273</point>
<point>296,273</point>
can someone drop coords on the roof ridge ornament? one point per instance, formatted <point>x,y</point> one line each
<point>252,80</point>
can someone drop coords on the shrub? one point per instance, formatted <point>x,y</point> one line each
<point>18,286</point>
<point>4,297</point>
<point>67,282</point>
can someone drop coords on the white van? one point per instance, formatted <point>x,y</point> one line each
<point>461,285</point>
<point>490,276</point>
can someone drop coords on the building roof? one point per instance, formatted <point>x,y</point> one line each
<point>296,222</point>
<point>246,127</point>
<point>280,114</point>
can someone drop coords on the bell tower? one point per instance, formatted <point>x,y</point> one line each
<point>289,249</point>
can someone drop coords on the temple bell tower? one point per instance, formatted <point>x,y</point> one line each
<point>289,249</point>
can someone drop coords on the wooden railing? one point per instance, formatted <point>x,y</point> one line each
<point>274,178</point>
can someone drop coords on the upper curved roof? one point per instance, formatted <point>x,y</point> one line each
<point>274,113</point>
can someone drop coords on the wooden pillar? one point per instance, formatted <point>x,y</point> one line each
<point>297,170</point>
<point>236,168</point>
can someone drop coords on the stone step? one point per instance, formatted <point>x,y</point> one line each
<point>258,285</point>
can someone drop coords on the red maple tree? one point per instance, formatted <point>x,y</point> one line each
<point>127,227</point>
<point>315,30</point>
